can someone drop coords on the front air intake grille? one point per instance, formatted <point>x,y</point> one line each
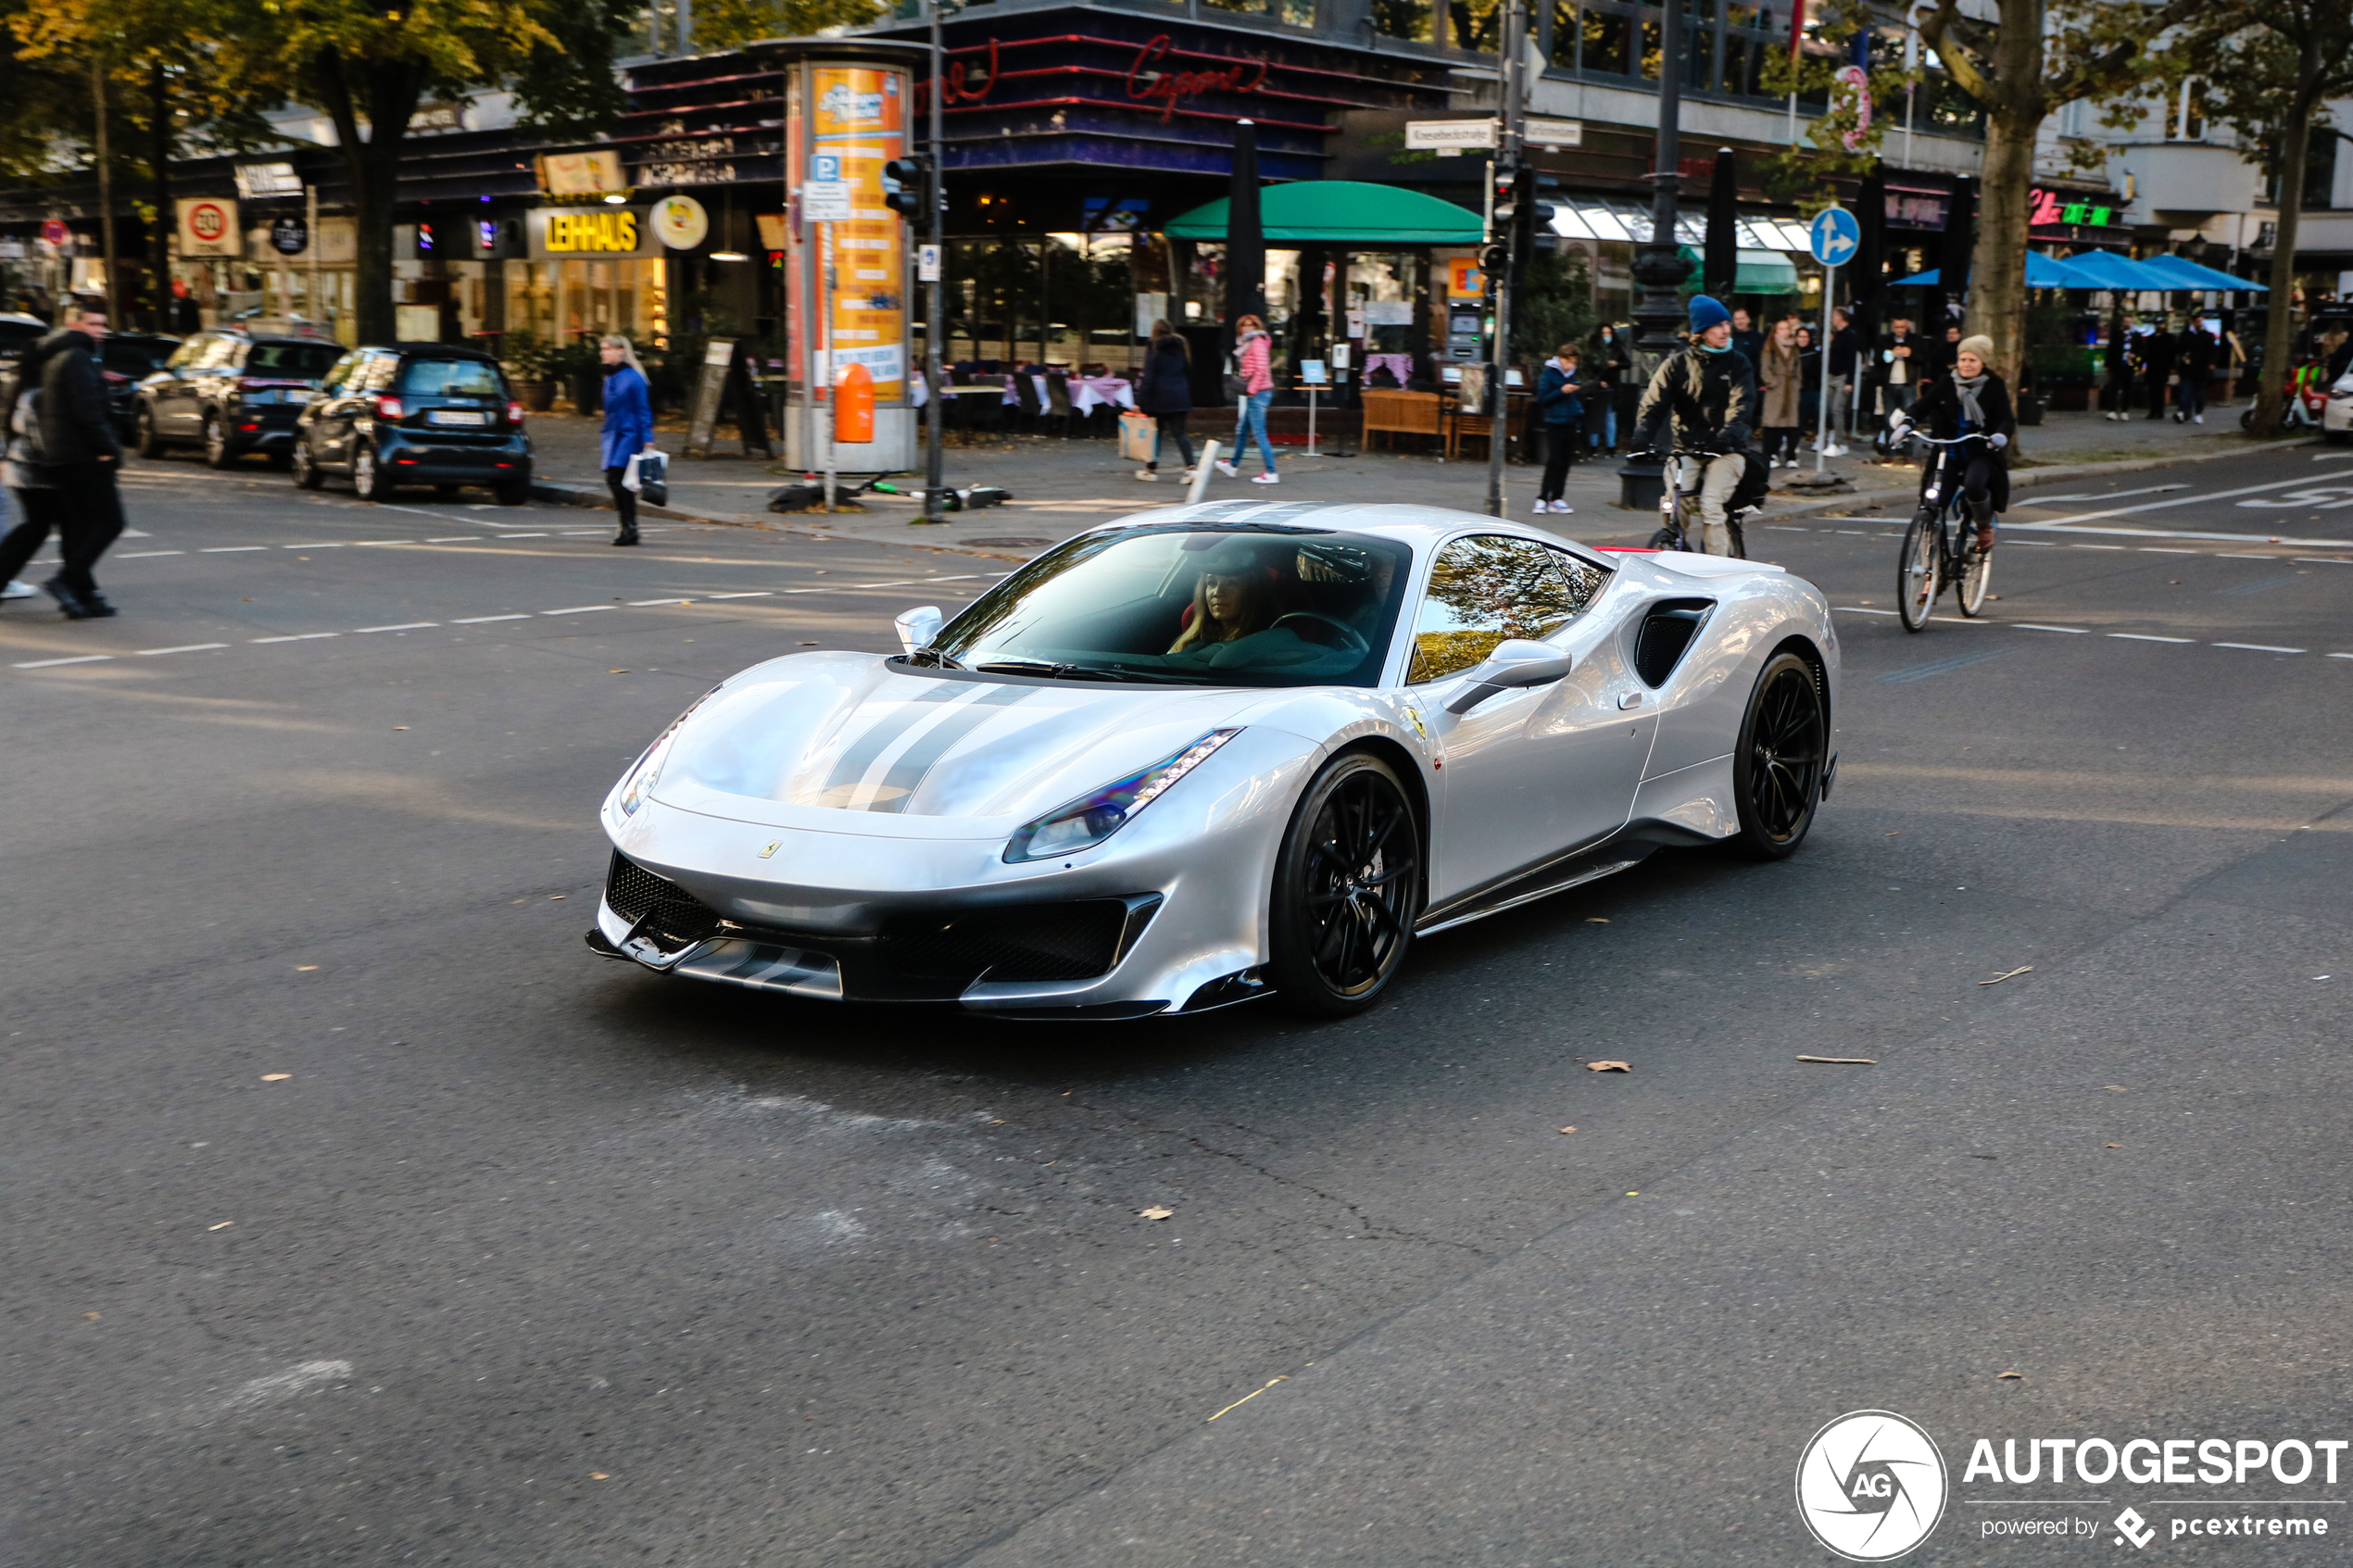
<point>1039,942</point>
<point>657,905</point>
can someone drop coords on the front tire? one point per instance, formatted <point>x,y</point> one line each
<point>305,467</point>
<point>1977,573</point>
<point>216,443</point>
<point>368,480</point>
<point>148,443</point>
<point>1777,771</point>
<point>513,495</point>
<point>1916,568</point>
<point>1347,890</point>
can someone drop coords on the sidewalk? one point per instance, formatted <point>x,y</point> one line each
<point>1062,486</point>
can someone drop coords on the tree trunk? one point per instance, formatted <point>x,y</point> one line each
<point>373,166</point>
<point>159,140</point>
<point>1997,270</point>
<point>111,290</point>
<point>2279,325</point>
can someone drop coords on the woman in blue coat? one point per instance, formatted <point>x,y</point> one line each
<point>629,426</point>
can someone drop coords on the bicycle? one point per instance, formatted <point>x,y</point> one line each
<point>1674,536</point>
<point>1940,548</point>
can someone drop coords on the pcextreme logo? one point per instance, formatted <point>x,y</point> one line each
<point>1872,1485</point>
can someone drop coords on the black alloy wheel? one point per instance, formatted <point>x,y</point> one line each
<point>368,480</point>
<point>216,442</point>
<point>305,467</point>
<point>145,441</point>
<point>1348,887</point>
<point>1777,771</point>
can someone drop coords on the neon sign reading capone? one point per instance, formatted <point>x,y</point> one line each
<point>1246,76</point>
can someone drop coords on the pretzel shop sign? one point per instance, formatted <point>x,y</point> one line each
<point>1146,83</point>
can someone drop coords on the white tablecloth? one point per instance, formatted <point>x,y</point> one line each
<point>1095,391</point>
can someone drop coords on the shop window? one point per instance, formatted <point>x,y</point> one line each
<point>1607,37</point>
<point>1403,19</point>
<point>1474,24</point>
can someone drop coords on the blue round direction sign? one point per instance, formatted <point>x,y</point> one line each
<point>1835,234</point>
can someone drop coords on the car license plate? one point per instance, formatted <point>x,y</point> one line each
<point>456,417</point>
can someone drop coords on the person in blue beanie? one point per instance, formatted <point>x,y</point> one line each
<point>628,429</point>
<point>1702,399</point>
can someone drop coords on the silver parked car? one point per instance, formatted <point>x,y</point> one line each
<point>1219,752</point>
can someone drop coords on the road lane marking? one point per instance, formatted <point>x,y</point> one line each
<point>2070,631</point>
<point>2324,561</point>
<point>403,626</point>
<point>754,594</point>
<point>2034,500</point>
<point>642,604</point>
<point>299,637</point>
<point>100,658</point>
<point>2166,550</point>
<point>2095,546</point>
<point>482,619</point>
<point>383,541</point>
<point>2229,555</point>
<point>457,539</point>
<point>578,610</point>
<point>184,648</point>
<point>229,549</point>
<point>142,555</point>
<point>2145,637</point>
<point>2258,647</point>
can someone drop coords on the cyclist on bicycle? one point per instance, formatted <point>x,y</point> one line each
<point>1971,401</point>
<point>1706,392</point>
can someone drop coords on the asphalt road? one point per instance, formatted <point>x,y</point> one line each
<point>358,1215</point>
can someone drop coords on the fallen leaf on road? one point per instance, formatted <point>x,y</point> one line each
<point>599,1474</point>
<point>222,1226</point>
<point>614,672</point>
<point>305,968</point>
<point>91,1316</point>
<point>2115,1146</point>
<point>1596,920</point>
<point>1155,1212</point>
<point>275,1077</point>
<point>1843,1060</point>
<point>1607,1067</point>
<point>2019,1375</point>
<point>400,726</point>
<point>1568,1129</point>
<point>2023,969</point>
<point>553,896</point>
<point>2118,1087</point>
<point>1897,834</point>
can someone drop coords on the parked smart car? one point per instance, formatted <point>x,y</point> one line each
<point>230,393</point>
<point>415,413</point>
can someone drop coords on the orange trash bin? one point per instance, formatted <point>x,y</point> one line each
<point>854,405</point>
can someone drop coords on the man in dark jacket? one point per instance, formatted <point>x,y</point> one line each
<point>1702,398</point>
<point>2197,348</point>
<point>1901,359</point>
<point>1747,338</point>
<point>1165,391</point>
<point>1839,409</point>
<point>80,453</point>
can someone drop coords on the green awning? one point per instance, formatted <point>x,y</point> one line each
<point>1760,271</point>
<point>1342,212</point>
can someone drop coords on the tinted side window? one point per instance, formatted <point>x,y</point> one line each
<point>1483,590</point>
<point>304,359</point>
<point>377,374</point>
<point>1584,580</point>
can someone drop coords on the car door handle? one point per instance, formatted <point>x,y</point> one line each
<point>1630,699</point>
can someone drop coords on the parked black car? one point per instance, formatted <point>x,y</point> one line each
<point>126,359</point>
<point>415,413</point>
<point>230,393</point>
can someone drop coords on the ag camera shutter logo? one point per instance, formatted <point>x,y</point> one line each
<point>1872,1485</point>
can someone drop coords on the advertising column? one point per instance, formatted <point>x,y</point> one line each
<point>848,271</point>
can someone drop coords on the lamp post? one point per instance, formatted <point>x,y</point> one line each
<point>934,196</point>
<point>1657,266</point>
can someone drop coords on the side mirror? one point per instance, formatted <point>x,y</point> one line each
<point>918,626</point>
<point>1516,663</point>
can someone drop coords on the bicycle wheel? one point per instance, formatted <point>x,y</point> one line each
<point>1739,540</point>
<point>1917,568</point>
<point>1977,571</point>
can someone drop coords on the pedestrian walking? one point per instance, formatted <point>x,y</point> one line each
<point>628,427</point>
<point>1842,369</point>
<point>1626,393</point>
<point>1900,351</point>
<point>1809,381</point>
<point>1166,391</point>
<point>2196,348</point>
<point>2157,368</point>
<point>1253,361</point>
<point>2116,397</point>
<point>1777,379</point>
<point>1560,406</point>
<point>1607,368</point>
<point>63,458</point>
<point>1746,339</point>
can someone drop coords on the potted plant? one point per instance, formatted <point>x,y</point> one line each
<point>575,367</point>
<point>526,359</point>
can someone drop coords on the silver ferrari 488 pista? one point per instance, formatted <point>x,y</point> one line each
<point>1219,752</point>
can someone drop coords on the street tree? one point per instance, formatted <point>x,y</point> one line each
<point>2265,68</point>
<point>729,24</point>
<point>2032,59</point>
<point>369,64</point>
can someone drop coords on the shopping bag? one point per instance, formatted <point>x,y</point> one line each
<point>650,476</point>
<point>1139,437</point>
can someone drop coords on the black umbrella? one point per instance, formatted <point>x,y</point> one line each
<point>1720,269</point>
<point>1245,233</point>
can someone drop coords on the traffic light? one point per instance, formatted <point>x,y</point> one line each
<point>911,177</point>
<point>1520,212</point>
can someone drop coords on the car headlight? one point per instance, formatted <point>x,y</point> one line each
<point>638,783</point>
<point>1089,820</point>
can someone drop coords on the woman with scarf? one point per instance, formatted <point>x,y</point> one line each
<point>1778,370</point>
<point>628,427</point>
<point>1971,401</point>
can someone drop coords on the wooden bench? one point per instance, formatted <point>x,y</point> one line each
<point>1396,413</point>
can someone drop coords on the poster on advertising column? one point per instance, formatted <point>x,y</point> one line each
<point>857,123</point>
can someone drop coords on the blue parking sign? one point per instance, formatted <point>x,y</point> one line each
<point>1834,235</point>
<point>824,168</point>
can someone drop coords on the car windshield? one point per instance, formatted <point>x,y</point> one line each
<point>1223,606</point>
<point>308,360</point>
<point>451,377</point>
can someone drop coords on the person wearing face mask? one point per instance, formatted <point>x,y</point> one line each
<point>1702,398</point>
<point>1970,401</point>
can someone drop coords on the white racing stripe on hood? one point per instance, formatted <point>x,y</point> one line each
<point>881,766</point>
